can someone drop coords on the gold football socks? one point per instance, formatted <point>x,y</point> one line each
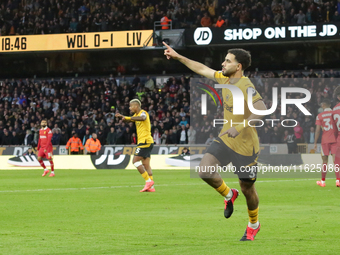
<point>223,189</point>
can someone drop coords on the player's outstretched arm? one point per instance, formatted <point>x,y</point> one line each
<point>125,118</point>
<point>317,135</point>
<point>195,66</point>
<point>139,118</point>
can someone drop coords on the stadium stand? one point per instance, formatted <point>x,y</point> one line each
<point>89,105</point>
<point>25,17</point>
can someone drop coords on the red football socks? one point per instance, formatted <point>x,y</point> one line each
<point>52,165</point>
<point>42,164</point>
<point>324,172</point>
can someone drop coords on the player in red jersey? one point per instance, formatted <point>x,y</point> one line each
<point>336,117</point>
<point>325,121</point>
<point>45,147</point>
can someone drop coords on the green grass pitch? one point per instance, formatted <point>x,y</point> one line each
<point>103,212</point>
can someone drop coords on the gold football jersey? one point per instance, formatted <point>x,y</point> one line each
<point>247,142</point>
<point>143,128</point>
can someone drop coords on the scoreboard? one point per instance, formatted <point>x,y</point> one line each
<point>77,41</point>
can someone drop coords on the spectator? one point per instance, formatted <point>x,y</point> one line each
<point>87,136</point>
<point>197,22</point>
<point>275,136</point>
<point>157,137</point>
<point>29,152</point>
<point>290,139</point>
<point>210,140</point>
<point>185,152</point>
<point>15,139</point>
<point>165,22</point>
<point>205,131</point>
<point>307,124</point>
<point>56,136</point>
<point>265,136</point>
<point>298,131</point>
<point>309,16</point>
<point>173,136</point>
<point>300,18</point>
<point>164,137</point>
<point>6,138</point>
<point>73,25</point>
<point>311,135</point>
<point>127,136</point>
<point>93,145</point>
<point>64,137</point>
<point>220,22</point>
<point>101,135</point>
<point>74,144</point>
<point>212,7</point>
<point>183,135</point>
<point>28,138</point>
<point>336,17</point>
<point>191,135</point>
<point>243,18</point>
<point>183,122</point>
<point>206,21</point>
<point>112,136</point>
<point>133,138</point>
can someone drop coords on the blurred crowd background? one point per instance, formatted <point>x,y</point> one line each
<point>86,106</point>
<point>26,17</point>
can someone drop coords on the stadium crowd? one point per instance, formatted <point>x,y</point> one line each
<point>87,106</point>
<point>55,16</point>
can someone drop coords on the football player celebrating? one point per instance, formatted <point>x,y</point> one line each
<point>141,159</point>
<point>238,144</point>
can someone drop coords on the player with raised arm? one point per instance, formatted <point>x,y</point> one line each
<point>45,148</point>
<point>141,159</point>
<point>324,121</point>
<point>336,118</point>
<point>239,144</point>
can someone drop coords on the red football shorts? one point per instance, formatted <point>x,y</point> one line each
<point>328,148</point>
<point>48,154</point>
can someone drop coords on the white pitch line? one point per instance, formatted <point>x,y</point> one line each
<point>137,186</point>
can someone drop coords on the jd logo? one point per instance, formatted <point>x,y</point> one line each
<point>202,36</point>
<point>110,161</point>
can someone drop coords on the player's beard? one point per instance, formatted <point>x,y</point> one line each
<point>43,126</point>
<point>228,72</point>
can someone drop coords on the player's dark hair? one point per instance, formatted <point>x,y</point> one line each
<point>326,101</point>
<point>242,56</point>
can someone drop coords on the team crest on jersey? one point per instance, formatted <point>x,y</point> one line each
<point>252,91</point>
<point>44,132</point>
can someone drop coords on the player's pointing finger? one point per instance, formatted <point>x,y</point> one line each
<point>166,45</point>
